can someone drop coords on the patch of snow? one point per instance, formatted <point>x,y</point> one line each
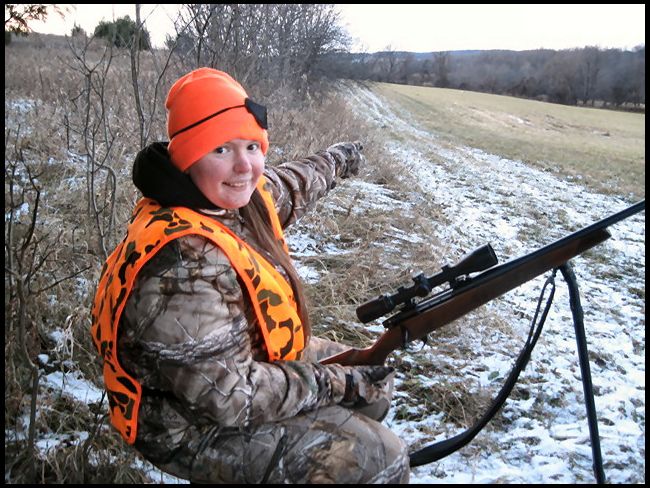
<point>73,385</point>
<point>516,208</point>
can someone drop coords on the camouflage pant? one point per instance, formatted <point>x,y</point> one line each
<point>330,445</point>
<point>327,445</point>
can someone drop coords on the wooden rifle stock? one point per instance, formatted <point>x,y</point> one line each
<point>449,305</point>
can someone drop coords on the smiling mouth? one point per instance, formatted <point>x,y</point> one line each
<point>240,184</point>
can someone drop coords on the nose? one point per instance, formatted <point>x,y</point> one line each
<point>242,162</point>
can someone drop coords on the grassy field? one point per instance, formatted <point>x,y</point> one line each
<point>605,148</point>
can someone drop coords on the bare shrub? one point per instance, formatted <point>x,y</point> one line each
<point>32,269</point>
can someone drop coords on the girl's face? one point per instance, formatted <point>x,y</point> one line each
<point>228,175</point>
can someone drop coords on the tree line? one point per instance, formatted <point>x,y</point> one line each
<point>574,76</point>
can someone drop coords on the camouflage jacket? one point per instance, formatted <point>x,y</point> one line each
<point>189,334</point>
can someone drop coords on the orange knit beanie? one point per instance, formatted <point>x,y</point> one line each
<point>207,108</point>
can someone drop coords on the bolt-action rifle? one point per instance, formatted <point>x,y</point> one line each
<point>464,293</point>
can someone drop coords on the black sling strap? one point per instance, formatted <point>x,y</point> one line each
<point>441,449</point>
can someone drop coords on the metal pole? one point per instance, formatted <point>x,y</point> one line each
<point>583,355</point>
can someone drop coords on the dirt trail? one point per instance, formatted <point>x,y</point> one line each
<point>486,198</point>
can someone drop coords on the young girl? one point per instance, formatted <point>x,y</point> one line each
<point>200,318</point>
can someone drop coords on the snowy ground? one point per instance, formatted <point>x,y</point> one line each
<point>517,209</point>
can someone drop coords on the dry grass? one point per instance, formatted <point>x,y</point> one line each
<point>42,97</point>
<point>604,147</point>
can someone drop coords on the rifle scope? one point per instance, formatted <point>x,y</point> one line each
<point>478,260</point>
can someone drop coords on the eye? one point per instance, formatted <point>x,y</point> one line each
<point>254,146</point>
<point>221,150</point>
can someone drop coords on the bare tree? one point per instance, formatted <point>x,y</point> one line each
<point>147,102</point>
<point>406,68</point>
<point>588,66</point>
<point>390,58</point>
<point>637,95</point>
<point>261,45</point>
<point>91,107</point>
<point>18,16</point>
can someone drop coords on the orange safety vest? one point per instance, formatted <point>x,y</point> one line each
<point>152,227</point>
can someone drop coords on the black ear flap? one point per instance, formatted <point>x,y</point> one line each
<point>258,111</point>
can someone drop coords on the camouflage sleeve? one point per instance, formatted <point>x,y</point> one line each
<point>320,349</point>
<point>184,331</point>
<point>296,185</point>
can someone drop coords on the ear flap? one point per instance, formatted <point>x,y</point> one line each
<point>258,111</point>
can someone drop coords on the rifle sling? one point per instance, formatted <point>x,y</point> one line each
<point>438,450</point>
<point>441,449</point>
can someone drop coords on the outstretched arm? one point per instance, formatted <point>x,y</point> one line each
<point>296,185</point>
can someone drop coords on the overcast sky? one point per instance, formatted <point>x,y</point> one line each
<point>424,28</point>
